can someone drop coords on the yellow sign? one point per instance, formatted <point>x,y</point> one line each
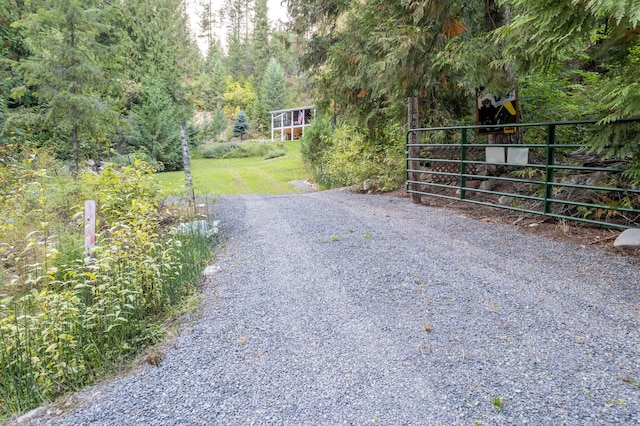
<point>493,110</point>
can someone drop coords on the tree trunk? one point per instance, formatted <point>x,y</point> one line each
<point>495,17</point>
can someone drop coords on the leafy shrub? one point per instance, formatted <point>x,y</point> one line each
<point>274,154</point>
<point>220,150</point>
<point>349,156</point>
<point>64,319</point>
<point>241,150</point>
<point>353,158</point>
<point>315,144</point>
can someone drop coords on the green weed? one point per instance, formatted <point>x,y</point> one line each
<point>498,404</point>
<point>631,380</point>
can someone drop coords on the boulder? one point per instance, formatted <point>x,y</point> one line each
<point>629,239</point>
<point>505,200</point>
<point>487,185</point>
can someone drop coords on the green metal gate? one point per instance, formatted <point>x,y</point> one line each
<point>553,174</point>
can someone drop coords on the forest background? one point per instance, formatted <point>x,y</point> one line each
<point>96,81</point>
<point>99,80</point>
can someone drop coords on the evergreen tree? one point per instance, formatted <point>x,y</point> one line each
<point>241,125</point>
<point>162,58</point>
<point>158,125</point>
<point>282,46</point>
<point>207,21</point>
<point>214,54</point>
<point>159,38</point>
<point>260,51</point>
<point>273,92</point>
<point>69,71</point>
<point>218,122</point>
<point>12,48</point>
<point>218,83</point>
<point>237,54</point>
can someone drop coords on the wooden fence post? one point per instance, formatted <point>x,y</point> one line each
<point>89,227</point>
<point>187,164</point>
<point>414,152</point>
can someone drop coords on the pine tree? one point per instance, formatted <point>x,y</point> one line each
<point>273,92</point>
<point>207,21</point>
<point>237,60</point>
<point>260,51</point>
<point>12,49</point>
<point>162,58</point>
<point>241,125</point>
<point>158,125</point>
<point>69,70</point>
<point>218,122</point>
<point>218,83</point>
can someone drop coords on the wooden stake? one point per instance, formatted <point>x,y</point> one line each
<point>89,227</point>
<point>187,164</point>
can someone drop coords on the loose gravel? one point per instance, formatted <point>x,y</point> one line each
<point>334,308</point>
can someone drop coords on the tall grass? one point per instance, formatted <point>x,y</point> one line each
<point>66,319</point>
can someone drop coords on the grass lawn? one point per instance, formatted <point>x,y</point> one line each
<point>242,175</point>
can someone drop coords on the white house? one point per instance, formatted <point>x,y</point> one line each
<point>290,123</point>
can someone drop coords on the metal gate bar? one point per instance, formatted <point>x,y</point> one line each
<point>544,200</point>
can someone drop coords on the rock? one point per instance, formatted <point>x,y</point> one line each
<point>597,179</point>
<point>30,415</point>
<point>486,185</point>
<point>367,185</point>
<point>629,239</point>
<point>505,200</point>
<point>210,270</point>
<point>201,227</point>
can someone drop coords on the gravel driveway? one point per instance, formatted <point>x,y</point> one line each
<point>335,308</point>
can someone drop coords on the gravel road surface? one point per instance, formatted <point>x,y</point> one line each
<point>334,308</point>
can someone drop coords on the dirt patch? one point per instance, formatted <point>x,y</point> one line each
<point>562,230</point>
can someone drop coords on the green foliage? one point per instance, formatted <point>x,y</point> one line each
<point>12,48</point>
<point>244,150</point>
<point>157,126</point>
<point>237,60</point>
<point>352,159</point>
<point>314,147</point>
<point>224,150</point>
<point>569,59</point>
<point>599,37</point>
<point>346,155</point>
<point>548,96</point>
<point>218,84</point>
<point>274,89</point>
<point>69,70</point>
<point>66,319</point>
<point>218,123</point>
<point>260,50</point>
<point>239,96</point>
<point>274,154</point>
<point>241,125</point>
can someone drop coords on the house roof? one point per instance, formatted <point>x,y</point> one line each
<point>291,109</point>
